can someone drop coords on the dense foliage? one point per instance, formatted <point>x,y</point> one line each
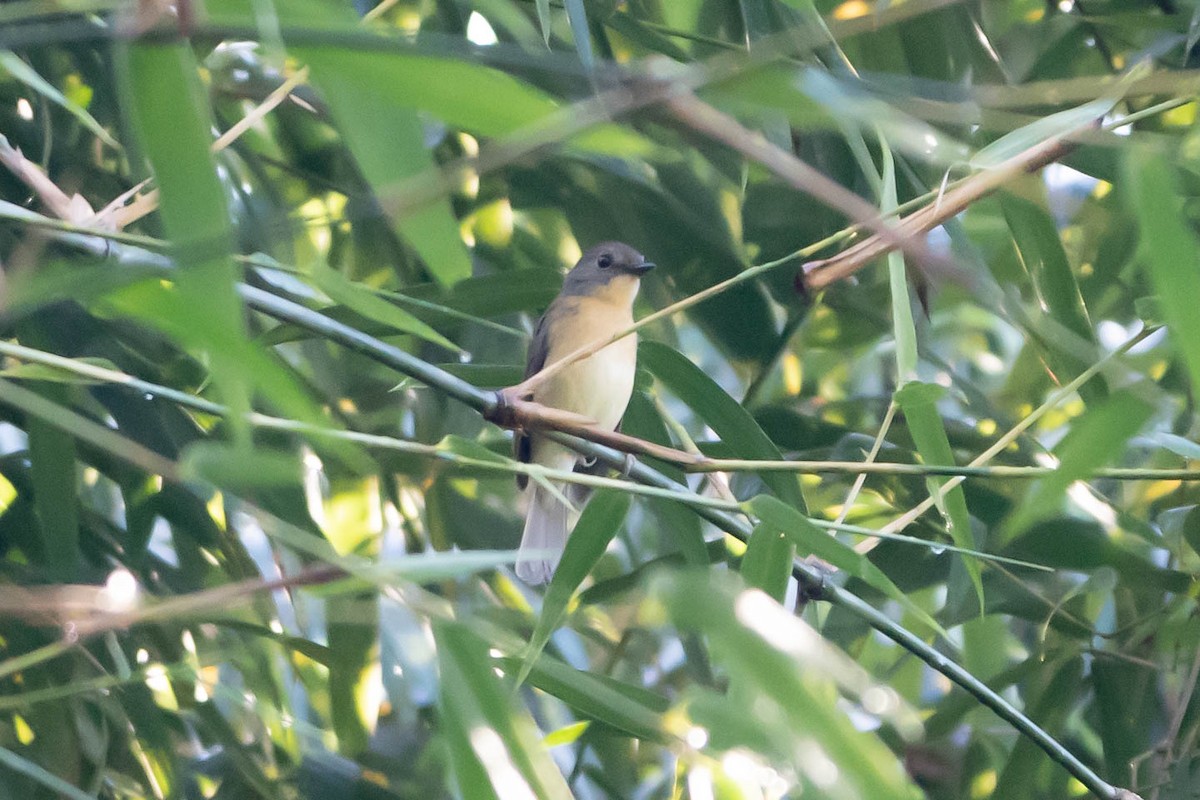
<point>264,262</point>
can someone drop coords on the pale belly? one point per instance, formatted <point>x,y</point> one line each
<point>599,387</point>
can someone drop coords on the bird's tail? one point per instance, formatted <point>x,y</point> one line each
<point>547,524</point>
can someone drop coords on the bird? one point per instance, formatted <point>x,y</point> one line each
<point>596,302</point>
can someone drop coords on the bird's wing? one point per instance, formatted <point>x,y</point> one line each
<point>539,347</point>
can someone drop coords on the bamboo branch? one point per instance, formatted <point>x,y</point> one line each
<point>816,275</point>
<point>722,127</point>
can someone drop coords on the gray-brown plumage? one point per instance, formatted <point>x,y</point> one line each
<point>596,302</point>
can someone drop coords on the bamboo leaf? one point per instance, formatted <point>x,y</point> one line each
<point>13,64</point>
<point>1171,248</point>
<point>362,301</point>
<point>785,663</point>
<point>388,142</point>
<point>577,15</point>
<point>1096,438</point>
<point>495,750</point>
<point>599,523</point>
<point>811,540</point>
<point>918,401</point>
<point>737,429</point>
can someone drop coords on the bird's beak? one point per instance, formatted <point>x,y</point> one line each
<point>642,268</point>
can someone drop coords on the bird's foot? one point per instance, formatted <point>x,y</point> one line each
<point>627,465</point>
<point>503,411</point>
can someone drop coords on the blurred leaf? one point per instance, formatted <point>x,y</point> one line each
<point>1083,546</point>
<point>599,523</point>
<point>678,526</point>
<point>767,564</point>
<point>1095,439</point>
<point>354,647</point>
<point>1043,130</point>
<point>463,94</point>
<point>577,15</point>
<point>495,750</point>
<point>45,372</point>
<point>47,779</point>
<point>904,328</point>
<point>388,142</point>
<point>844,101</point>
<point>361,301</point>
<point>810,539</point>
<point>487,296</point>
<point>622,706</point>
<point>722,413</point>
<point>239,469</point>
<point>1072,347</point>
<point>52,458</point>
<point>1046,708</point>
<point>17,68</point>
<point>1177,444</point>
<point>174,127</point>
<point>1170,247</point>
<point>543,15</point>
<point>788,665</point>
<point>918,402</point>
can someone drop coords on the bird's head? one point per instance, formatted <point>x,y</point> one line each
<point>610,271</point>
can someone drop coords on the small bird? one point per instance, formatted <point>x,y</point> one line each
<point>596,302</point>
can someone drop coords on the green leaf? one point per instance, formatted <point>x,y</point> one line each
<point>166,307</point>
<point>1067,335</point>
<point>918,402</point>
<point>239,469</point>
<point>903,327</point>
<point>388,142</point>
<point>1127,705</point>
<point>45,372</point>
<point>846,101</point>
<point>678,527</point>
<point>809,539</point>
<point>363,301</point>
<point>463,94</point>
<point>52,782</point>
<point>13,64</point>
<point>543,14</point>
<point>353,638</point>
<point>52,458</point>
<point>599,523</point>
<point>733,423</point>
<point>1041,130</point>
<point>1177,444</point>
<point>170,108</point>
<point>495,750</point>
<point>625,707</point>
<point>788,670</point>
<point>1096,438</point>
<point>1171,249</point>
<point>767,564</point>
<point>577,15</point>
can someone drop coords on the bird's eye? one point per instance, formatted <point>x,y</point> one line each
<point>605,261</point>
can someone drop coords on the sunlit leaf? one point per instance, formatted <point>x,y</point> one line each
<point>495,750</point>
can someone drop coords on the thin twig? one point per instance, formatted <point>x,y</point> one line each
<point>859,481</point>
<point>1004,441</point>
<point>724,128</point>
<point>819,274</point>
<point>526,387</point>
